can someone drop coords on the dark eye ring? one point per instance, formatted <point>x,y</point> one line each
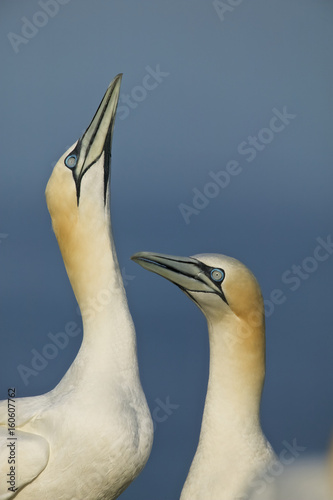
<point>71,161</point>
<point>217,274</point>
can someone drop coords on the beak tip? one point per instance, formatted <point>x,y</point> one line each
<point>117,79</point>
<point>114,85</point>
<point>136,257</point>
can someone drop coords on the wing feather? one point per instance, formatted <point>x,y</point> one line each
<point>28,456</point>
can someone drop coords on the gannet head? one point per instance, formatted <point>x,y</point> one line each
<point>78,188</point>
<point>77,197</point>
<point>218,284</point>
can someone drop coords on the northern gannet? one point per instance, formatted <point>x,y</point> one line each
<point>232,450</point>
<point>90,436</point>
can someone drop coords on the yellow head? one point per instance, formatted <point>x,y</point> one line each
<point>77,194</point>
<point>218,284</point>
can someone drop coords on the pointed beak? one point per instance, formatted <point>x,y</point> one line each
<point>97,138</point>
<point>186,272</point>
<point>100,130</point>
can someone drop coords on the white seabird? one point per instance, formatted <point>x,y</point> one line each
<point>232,452</point>
<point>90,436</point>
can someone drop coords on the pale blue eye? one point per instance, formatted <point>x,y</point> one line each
<point>217,274</point>
<point>71,161</point>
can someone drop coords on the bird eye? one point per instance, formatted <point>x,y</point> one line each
<point>71,161</point>
<point>217,274</point>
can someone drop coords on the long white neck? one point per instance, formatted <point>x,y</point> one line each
<point>231,444</point>
<point>236,374</point>
<point>109,343</point>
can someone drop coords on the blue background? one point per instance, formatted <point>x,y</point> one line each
<point>225,74</point>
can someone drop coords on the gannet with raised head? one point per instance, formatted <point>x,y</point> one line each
<point>91,435</point>
<point>232,450</point>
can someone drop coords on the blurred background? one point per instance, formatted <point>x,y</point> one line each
<point>223,143</point>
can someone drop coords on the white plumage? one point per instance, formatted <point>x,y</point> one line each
<point>232,453</point>
<point>91,435</point>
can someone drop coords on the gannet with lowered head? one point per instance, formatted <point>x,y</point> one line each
<point>91,435</point>
<point>232,450</point>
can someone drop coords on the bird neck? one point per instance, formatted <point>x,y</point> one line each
<point>109,344</point>
<point>231,448</point>
<point>236,374</point>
